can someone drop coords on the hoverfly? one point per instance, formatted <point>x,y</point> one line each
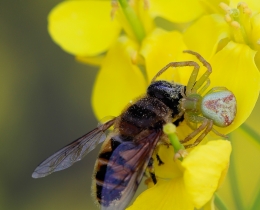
<point>127,150</point>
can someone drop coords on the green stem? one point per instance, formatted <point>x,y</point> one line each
<point>219,203</point>
<point>133,20</point>
<point>256,204</point>
<point>234,184</point>
<point>251,132</point>
<point>256,137</point>
<point>170,129</point>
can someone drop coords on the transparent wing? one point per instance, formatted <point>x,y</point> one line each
<point>125,170</point>
<point>73,152</point>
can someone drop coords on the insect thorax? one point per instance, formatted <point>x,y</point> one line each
<point>146,113</point>
<point>168,93</point>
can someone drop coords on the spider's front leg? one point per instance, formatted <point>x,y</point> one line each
<point>193,85</point>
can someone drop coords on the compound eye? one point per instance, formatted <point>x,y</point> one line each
<point>221,107</point>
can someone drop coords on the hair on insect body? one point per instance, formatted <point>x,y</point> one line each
<point>126,152</point>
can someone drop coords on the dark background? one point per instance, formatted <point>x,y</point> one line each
<point>45,104</point>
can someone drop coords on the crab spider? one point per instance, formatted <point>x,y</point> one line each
<point>216,108</point>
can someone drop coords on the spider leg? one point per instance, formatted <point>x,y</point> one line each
<point>193,76</point>
<point>215,89</point>
<point>218,133</point>
<point>204,87</point>
<point>197,131</point>
<point>209,125</point>
<point>205,76</point>
<point>178,116</point>
<point>193,126</point>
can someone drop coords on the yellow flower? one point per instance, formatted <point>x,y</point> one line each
<point>176,11</point>
<point>188,184</point>
<point>161,47</point>
<point>118,81</point>
<point>129,61</point>
<point>231,44</point>
<point>78,29</point>
<point>72,24</point>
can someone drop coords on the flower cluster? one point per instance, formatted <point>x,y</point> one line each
<point>226,33</point>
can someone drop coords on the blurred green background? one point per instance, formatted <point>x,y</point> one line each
<point>45,104</point>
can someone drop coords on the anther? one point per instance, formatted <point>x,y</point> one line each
<point>248,11</point>
<point>115,6</point>
<point>134,58</point>
<point>225,7</point>
<point>228,18</point>
<point>146,4</point>
<point>235,24</point>
<point>243,5</point>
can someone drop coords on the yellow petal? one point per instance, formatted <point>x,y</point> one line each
<point>161,48</point>
<point>257,59</point>
<point>255,34</point>
<point>212,6</point>
<point>204,168</point>
<point>122,19</point>
<point>83,28</point>
<point>176,11</point>
<point>144,14</point>
<point>92,60</point>
<point>204,35</point>
<point>118,81</point>
<point>169,169</point>
<point>234,68</point>
<point>209,205</point>
<point>165,195</point>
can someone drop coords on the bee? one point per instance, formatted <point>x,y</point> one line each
<point>127,150</point>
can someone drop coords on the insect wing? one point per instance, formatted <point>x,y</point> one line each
<point>125,170</point>
<point>73,152</point>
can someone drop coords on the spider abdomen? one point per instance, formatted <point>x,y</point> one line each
<point>220,107</point>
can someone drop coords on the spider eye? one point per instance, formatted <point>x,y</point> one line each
<point>220,107</point>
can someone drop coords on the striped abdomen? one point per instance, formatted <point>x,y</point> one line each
<point>124,156</point>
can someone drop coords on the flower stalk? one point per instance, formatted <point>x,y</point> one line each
<point>170,130</point>
<point>133,20</point>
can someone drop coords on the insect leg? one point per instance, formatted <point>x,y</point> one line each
<point>151,170</point>
<point>160,162</point>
